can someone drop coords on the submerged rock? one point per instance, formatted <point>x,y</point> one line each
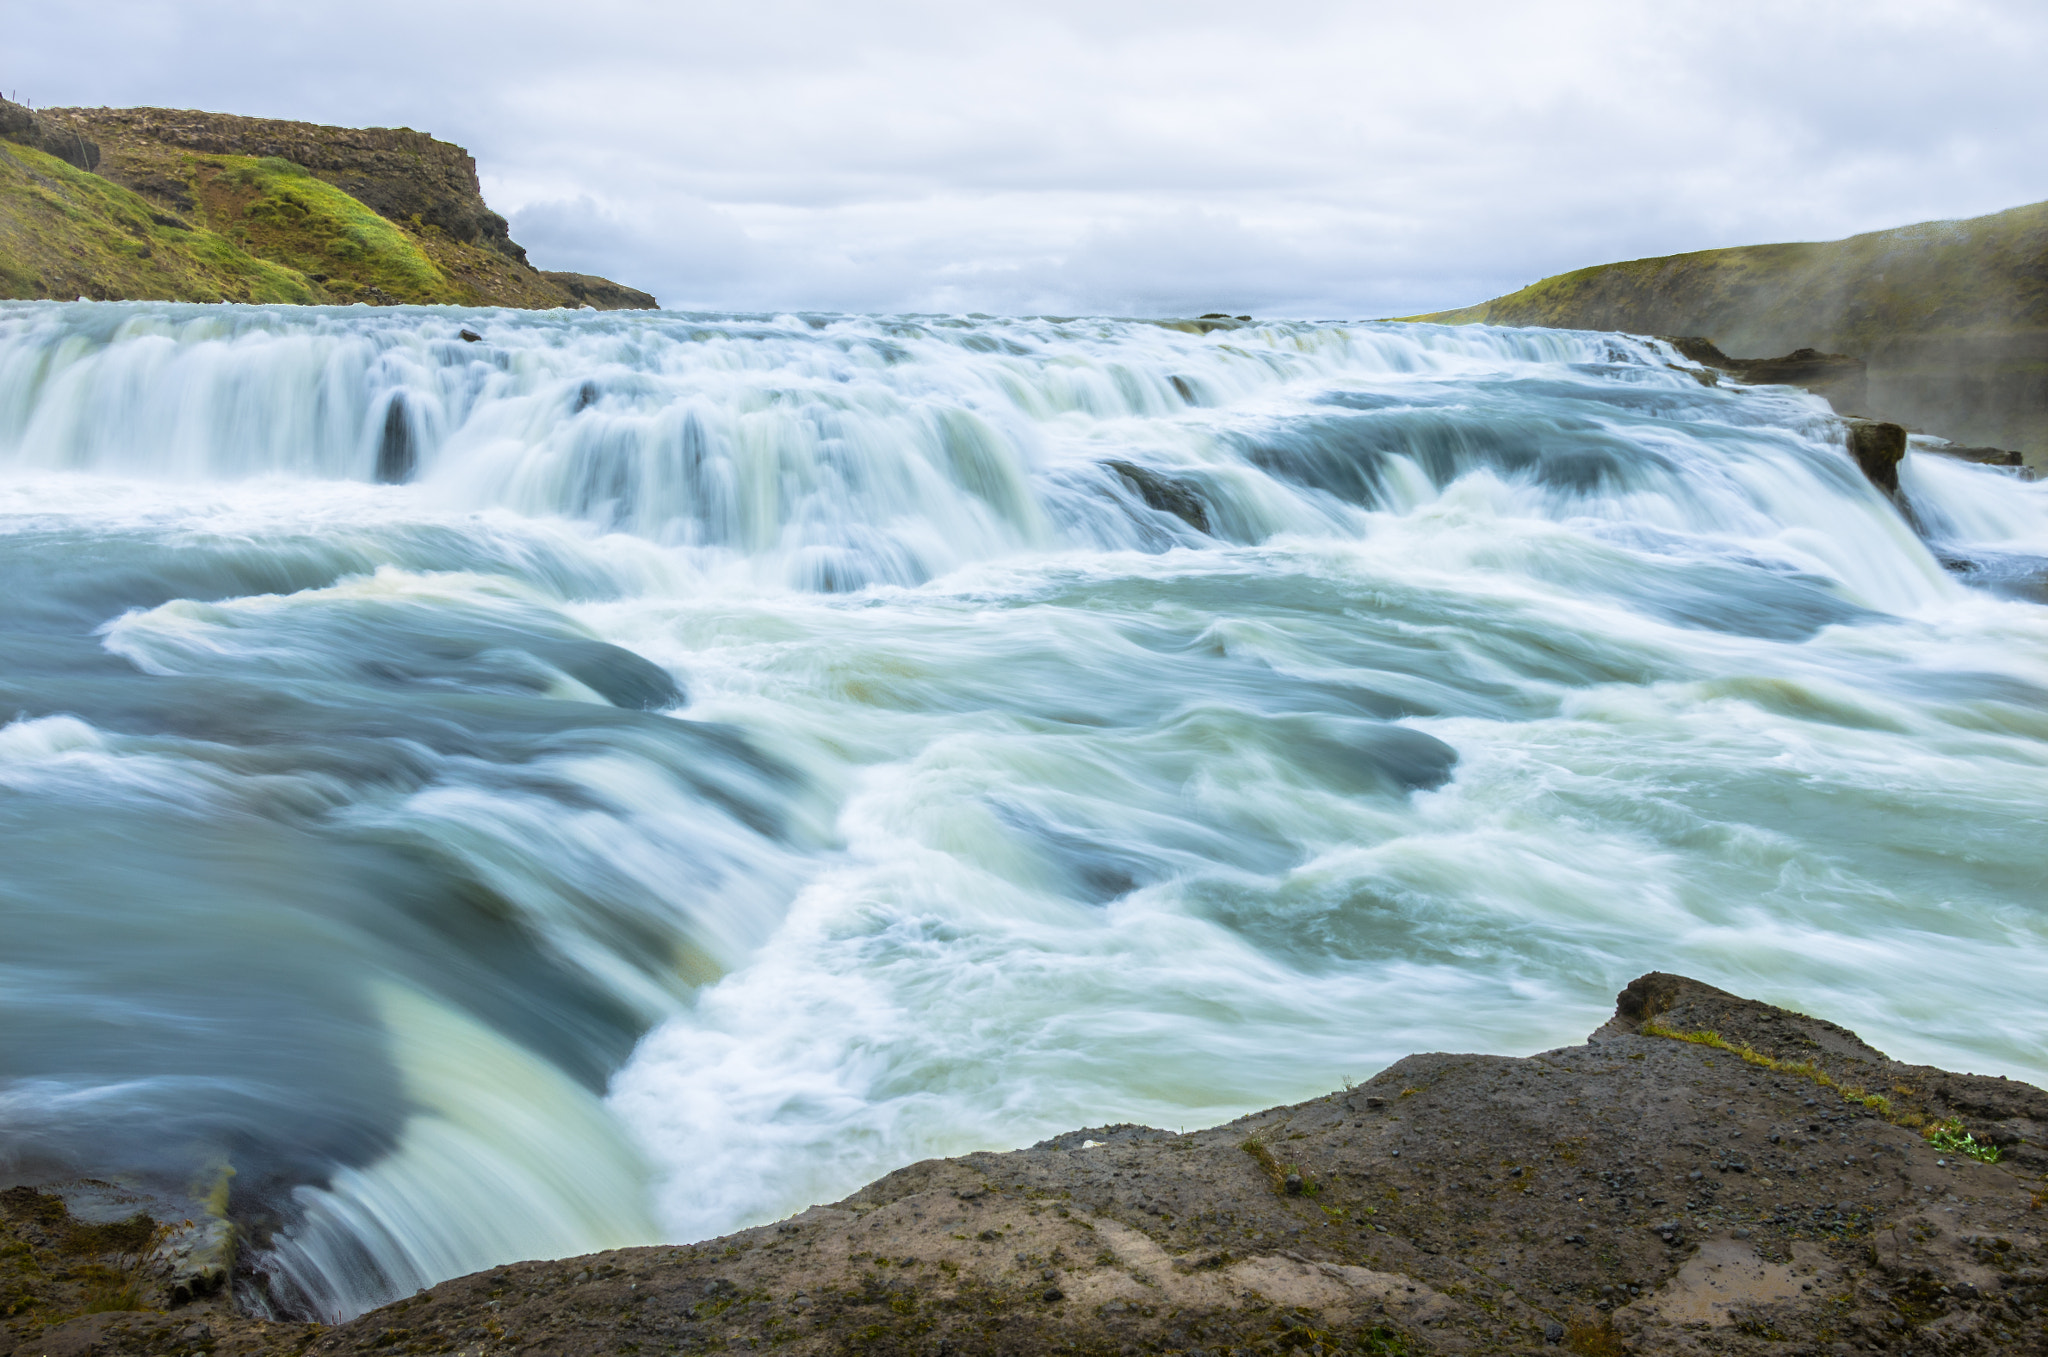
<point>1168,494</point>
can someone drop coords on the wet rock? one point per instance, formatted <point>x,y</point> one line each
<point>1168,494</point>
<point>196,1259</point>
<point>1843,380</point>
<point>396,454</point>
<point>1980,456</point>
<point>1877,448</point>
<point>468,336</point>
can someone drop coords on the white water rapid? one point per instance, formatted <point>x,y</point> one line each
<point>639,774</point>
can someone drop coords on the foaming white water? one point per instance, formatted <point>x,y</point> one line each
<point>848,739</point>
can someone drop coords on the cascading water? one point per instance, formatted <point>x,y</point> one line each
<point>636,775</point>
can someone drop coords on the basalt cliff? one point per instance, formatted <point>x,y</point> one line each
<point>1950,318</point>
<point>1705,1174</point>
<point>175,205</point>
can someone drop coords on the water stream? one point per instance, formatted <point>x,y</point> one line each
<point>636,775</point>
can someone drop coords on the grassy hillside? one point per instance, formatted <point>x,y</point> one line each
<point>67,233</point>
<point>1951,316</point>
<point>186,206</point>
<point>256,230</point>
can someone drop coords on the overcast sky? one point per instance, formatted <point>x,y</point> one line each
<point>1291,157</point>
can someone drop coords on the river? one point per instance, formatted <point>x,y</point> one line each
<point>631,776</point>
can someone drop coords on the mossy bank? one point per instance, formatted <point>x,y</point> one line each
<point>156,204</point>
<point>1951,316</point>
<point>1704,1174</point>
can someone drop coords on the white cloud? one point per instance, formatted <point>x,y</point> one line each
<point>1305,157</point>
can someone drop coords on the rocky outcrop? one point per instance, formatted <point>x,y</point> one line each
<point>398,173</point>
<point>587,289</point>
<point>1842,380</point>
<point>1705,1173</point>
<point>1950,317</point>
<point>2007,457</point>
<point>258,209</point>
<point>1877,448</point>
<point>26,127</point>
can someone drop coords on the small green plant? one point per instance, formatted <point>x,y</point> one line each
<point>1950,1137</point>
<point>1263,1157</point>
<point>1380,1341</point>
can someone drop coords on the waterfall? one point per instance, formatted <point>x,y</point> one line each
<point>641,773</point>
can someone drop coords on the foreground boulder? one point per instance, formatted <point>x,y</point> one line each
<point>1705,1174</point>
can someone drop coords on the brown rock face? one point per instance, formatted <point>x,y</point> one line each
<point>397,172</point>
<point>590,290</point>
<point>221,173</point>
<point>54,137</point>
<point>1706,1174</point>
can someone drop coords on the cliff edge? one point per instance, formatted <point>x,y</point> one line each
<point>178,205</point>
<point>1705,1174</point>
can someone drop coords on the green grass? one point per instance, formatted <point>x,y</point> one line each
<point>289,216</point>
<point>65,233</point>
<point>1803,1069</point>
<point>1948,1136</point>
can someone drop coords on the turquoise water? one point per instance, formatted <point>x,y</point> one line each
<point>735,756</point>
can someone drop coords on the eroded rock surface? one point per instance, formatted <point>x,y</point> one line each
<point>1705,1174</point>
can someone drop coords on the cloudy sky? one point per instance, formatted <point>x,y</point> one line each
<point>1294,157</point>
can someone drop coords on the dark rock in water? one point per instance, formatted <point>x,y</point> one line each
<point>1167,494</point>
<point>469,336</point>
<point>2008,574</point>
<point>1215,315</point>
<point>1843,380</point>
<point>1877,448</point>
<point>395,454</point>
<point>1240,317</point>
<point>1981,456</point>
<point>614,673</point>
